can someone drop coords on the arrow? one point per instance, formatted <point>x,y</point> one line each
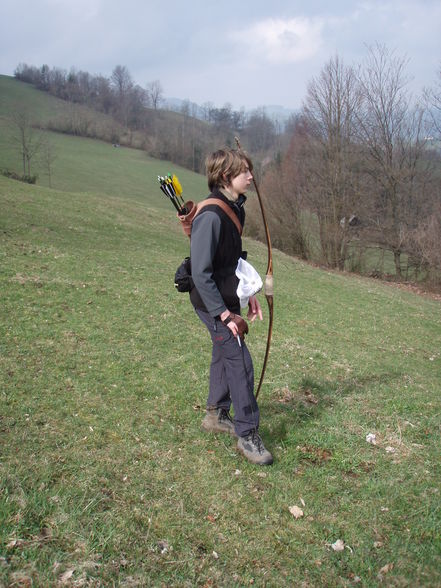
<point>172,188</point>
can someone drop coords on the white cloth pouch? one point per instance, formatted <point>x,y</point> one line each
<point>249,282</point>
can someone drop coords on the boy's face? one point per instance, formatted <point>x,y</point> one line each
<point>241,183</point>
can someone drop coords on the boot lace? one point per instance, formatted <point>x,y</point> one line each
<point>224,415</point>
<point>257,441</point>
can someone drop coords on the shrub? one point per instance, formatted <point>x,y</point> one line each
<point>22,178</point>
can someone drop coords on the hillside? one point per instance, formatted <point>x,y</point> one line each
<point>106,477</point>
<point>162,134</point>
<point>16,95</point>
<point>81,164</point>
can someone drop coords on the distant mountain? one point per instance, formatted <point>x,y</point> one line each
<point>276,112</point>
<point>179,105</point>
<point>280,113</point>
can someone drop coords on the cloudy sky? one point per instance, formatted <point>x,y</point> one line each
<point>246,52</point>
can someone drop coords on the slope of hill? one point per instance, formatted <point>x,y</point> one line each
<point>81,164</point>
<point>16,95</point>
<point>106,478</point>
<point>160,133</point>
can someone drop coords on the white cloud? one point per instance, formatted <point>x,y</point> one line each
<point>86,9</point>
<point>279,41</point>
<point>247,57</point>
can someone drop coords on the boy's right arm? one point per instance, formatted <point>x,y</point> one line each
<point>205,234</point>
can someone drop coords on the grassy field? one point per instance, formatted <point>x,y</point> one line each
<point>82,164</point>
<point>106,478</point>
<point>16,95</point>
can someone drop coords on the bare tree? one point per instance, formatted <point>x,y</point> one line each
<point>222,118</point>
<point>102,94</point>
<point>155,92</point>
<point>433,100</point>
<point>122,84</point>
<point>121,80</point>
<point>28,141</point>
<point>391,130</point>
<point>330,156</point>
<point>48,158</point>
<point>260,131</point>
<point>285,181</point>
<point>205,109</point>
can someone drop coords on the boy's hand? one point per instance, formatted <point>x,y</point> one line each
<point>254,309</point>
<point>235,323</point>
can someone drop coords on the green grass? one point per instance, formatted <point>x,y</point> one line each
<point>16,95</point>
<point>106,478</point>
<point>81,164</point>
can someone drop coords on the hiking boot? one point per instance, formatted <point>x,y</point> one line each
<point>253,449</point>
<point>218,420</point>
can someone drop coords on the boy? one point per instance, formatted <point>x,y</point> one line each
<point>216,247</point>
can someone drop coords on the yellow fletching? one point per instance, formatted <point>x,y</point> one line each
<point>177,185</point>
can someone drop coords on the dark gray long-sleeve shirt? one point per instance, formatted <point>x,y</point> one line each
<point>205,234</point>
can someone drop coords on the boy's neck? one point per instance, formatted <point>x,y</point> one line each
<point>230,195</point>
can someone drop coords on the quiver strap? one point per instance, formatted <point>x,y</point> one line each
<point>195,209</point>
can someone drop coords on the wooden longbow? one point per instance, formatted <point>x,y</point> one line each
<point>269,282</point>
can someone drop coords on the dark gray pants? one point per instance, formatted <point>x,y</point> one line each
<point>231,376</point>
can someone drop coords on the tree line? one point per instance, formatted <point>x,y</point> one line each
<point>361,178</point>
<point>351,179</point>
<point>117,95</point>
<point>142,118</point>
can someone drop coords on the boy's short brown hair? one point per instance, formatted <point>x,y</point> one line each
<point>224,165</point>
